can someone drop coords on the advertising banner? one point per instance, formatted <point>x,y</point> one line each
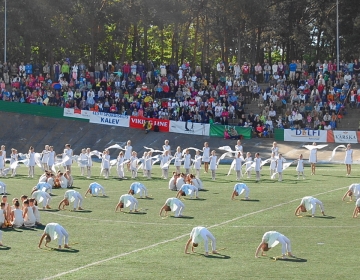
<point>217,130</point>
<point>137,122</point>
<point>305,135</point>
<point>109,119</point>
<point>76,113</point>
<point>190,128</point>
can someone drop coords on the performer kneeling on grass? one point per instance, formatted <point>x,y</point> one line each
<point>127,200</point>
<point>354,189</point>
<point>309,203</point>
<point>173,204</point>
<point>188,189</point>
<point>139,188</point>
<point>94,189</point>
<point>55,231</point>
<point>270,239</point>
<point>199,234</point>
<point>71,196</point>
<point>357,208</point>
<point>239,189</point>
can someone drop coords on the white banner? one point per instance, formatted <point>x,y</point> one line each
<point>305,135</point>
<point>78,114</point>
<point>193,128</point>
<point>109,119</point>
<point>345,136</point>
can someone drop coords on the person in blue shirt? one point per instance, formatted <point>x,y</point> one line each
<point>28,69</point>
<point>292,68</point>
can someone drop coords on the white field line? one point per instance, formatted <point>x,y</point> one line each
<point>296,226</point>
<point>117,221</point>
<point>178,237</point>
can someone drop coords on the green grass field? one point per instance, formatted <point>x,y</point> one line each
<point>109,245</point>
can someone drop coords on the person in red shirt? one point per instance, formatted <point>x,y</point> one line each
<point>138,79</point>
<point>126,69</point>
<point>358,100</point>
<point>113,108</point>
<point>320,88</point>
<point>259,130</point>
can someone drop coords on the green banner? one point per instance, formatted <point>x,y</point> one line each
<point>217,130</point>
<point>34,109</point>
<point>279,134</point>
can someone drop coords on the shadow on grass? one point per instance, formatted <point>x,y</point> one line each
<point>49,210</point>
<point>4,248</point>
<point>249,200</point>
<point>135,213</point>
<point>183,217</point>
<point>68,250</point>
<point>203,190</point>
<point>82,211</point>
<point>325,217</point>
<point>147,198</point>
<point>195,199</point>
<point>216,193</point>
<point>214,256</point>
<point>41,227</point>
<point>296,260</point>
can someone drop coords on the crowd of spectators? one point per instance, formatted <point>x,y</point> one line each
<point>296,95</point>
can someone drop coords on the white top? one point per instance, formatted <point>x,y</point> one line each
<point>105,162</point>
<point>239,148</point>
<point>257,164</point>
<point>212,164</point>
<point>31,157</point>
<point>178,157</point>
<point>313,156</point>
<point>206,154</point>
<point>197,162</point>
<point>51,158</point>
<point>45,156</point>
<point>187,161</point>
<point>271,237</point>
<point>275,150</point>
<point>128,151</point>
<point>348,156</point>
<point>280,164</point>
<point>69,153</point>
<point>300,165</point>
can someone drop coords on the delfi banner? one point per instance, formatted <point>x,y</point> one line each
<point>137,122</point>
<point>305,135</point>
<point>190,128</point>
<point>109,119</point>
<point>345,136</point>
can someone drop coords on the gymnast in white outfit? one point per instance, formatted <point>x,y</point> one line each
<point>55,231</point>
<point>309,203</point>
<point>42,197</point>
<point>270,239</point>
<point>120,165</point>
<point>257,168</point>
<point>357,208</point>
<point>178,159</point>
<point>213,165</point>
<point>43,186</point>
<point>17,219</point>
<point>128,153</point>
<point>127,200</point>
<point>45,157</point>
<point>28,214</point>
<point>273,160</point>
<point>165,157</point>
<point>348,159</point>
<point>196,182</point>
<point>71,196</point>
<point>313,159</point>
<point>2,187</point>
<point>94,189</point>
<point>354,190</point>
<point>300,167</point>
<point>173,204</point>
<point>138,188</point>
<point>206,156</point>
<point>187,189</point>
<point>187,161</point>
<point>239,188</point>
<point>238,165</point>
<point>199,234</point>
<point>280,166</point>
<point>180,181</point>
<point>197,163</point>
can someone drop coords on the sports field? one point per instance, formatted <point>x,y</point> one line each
<point>109,245</point>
